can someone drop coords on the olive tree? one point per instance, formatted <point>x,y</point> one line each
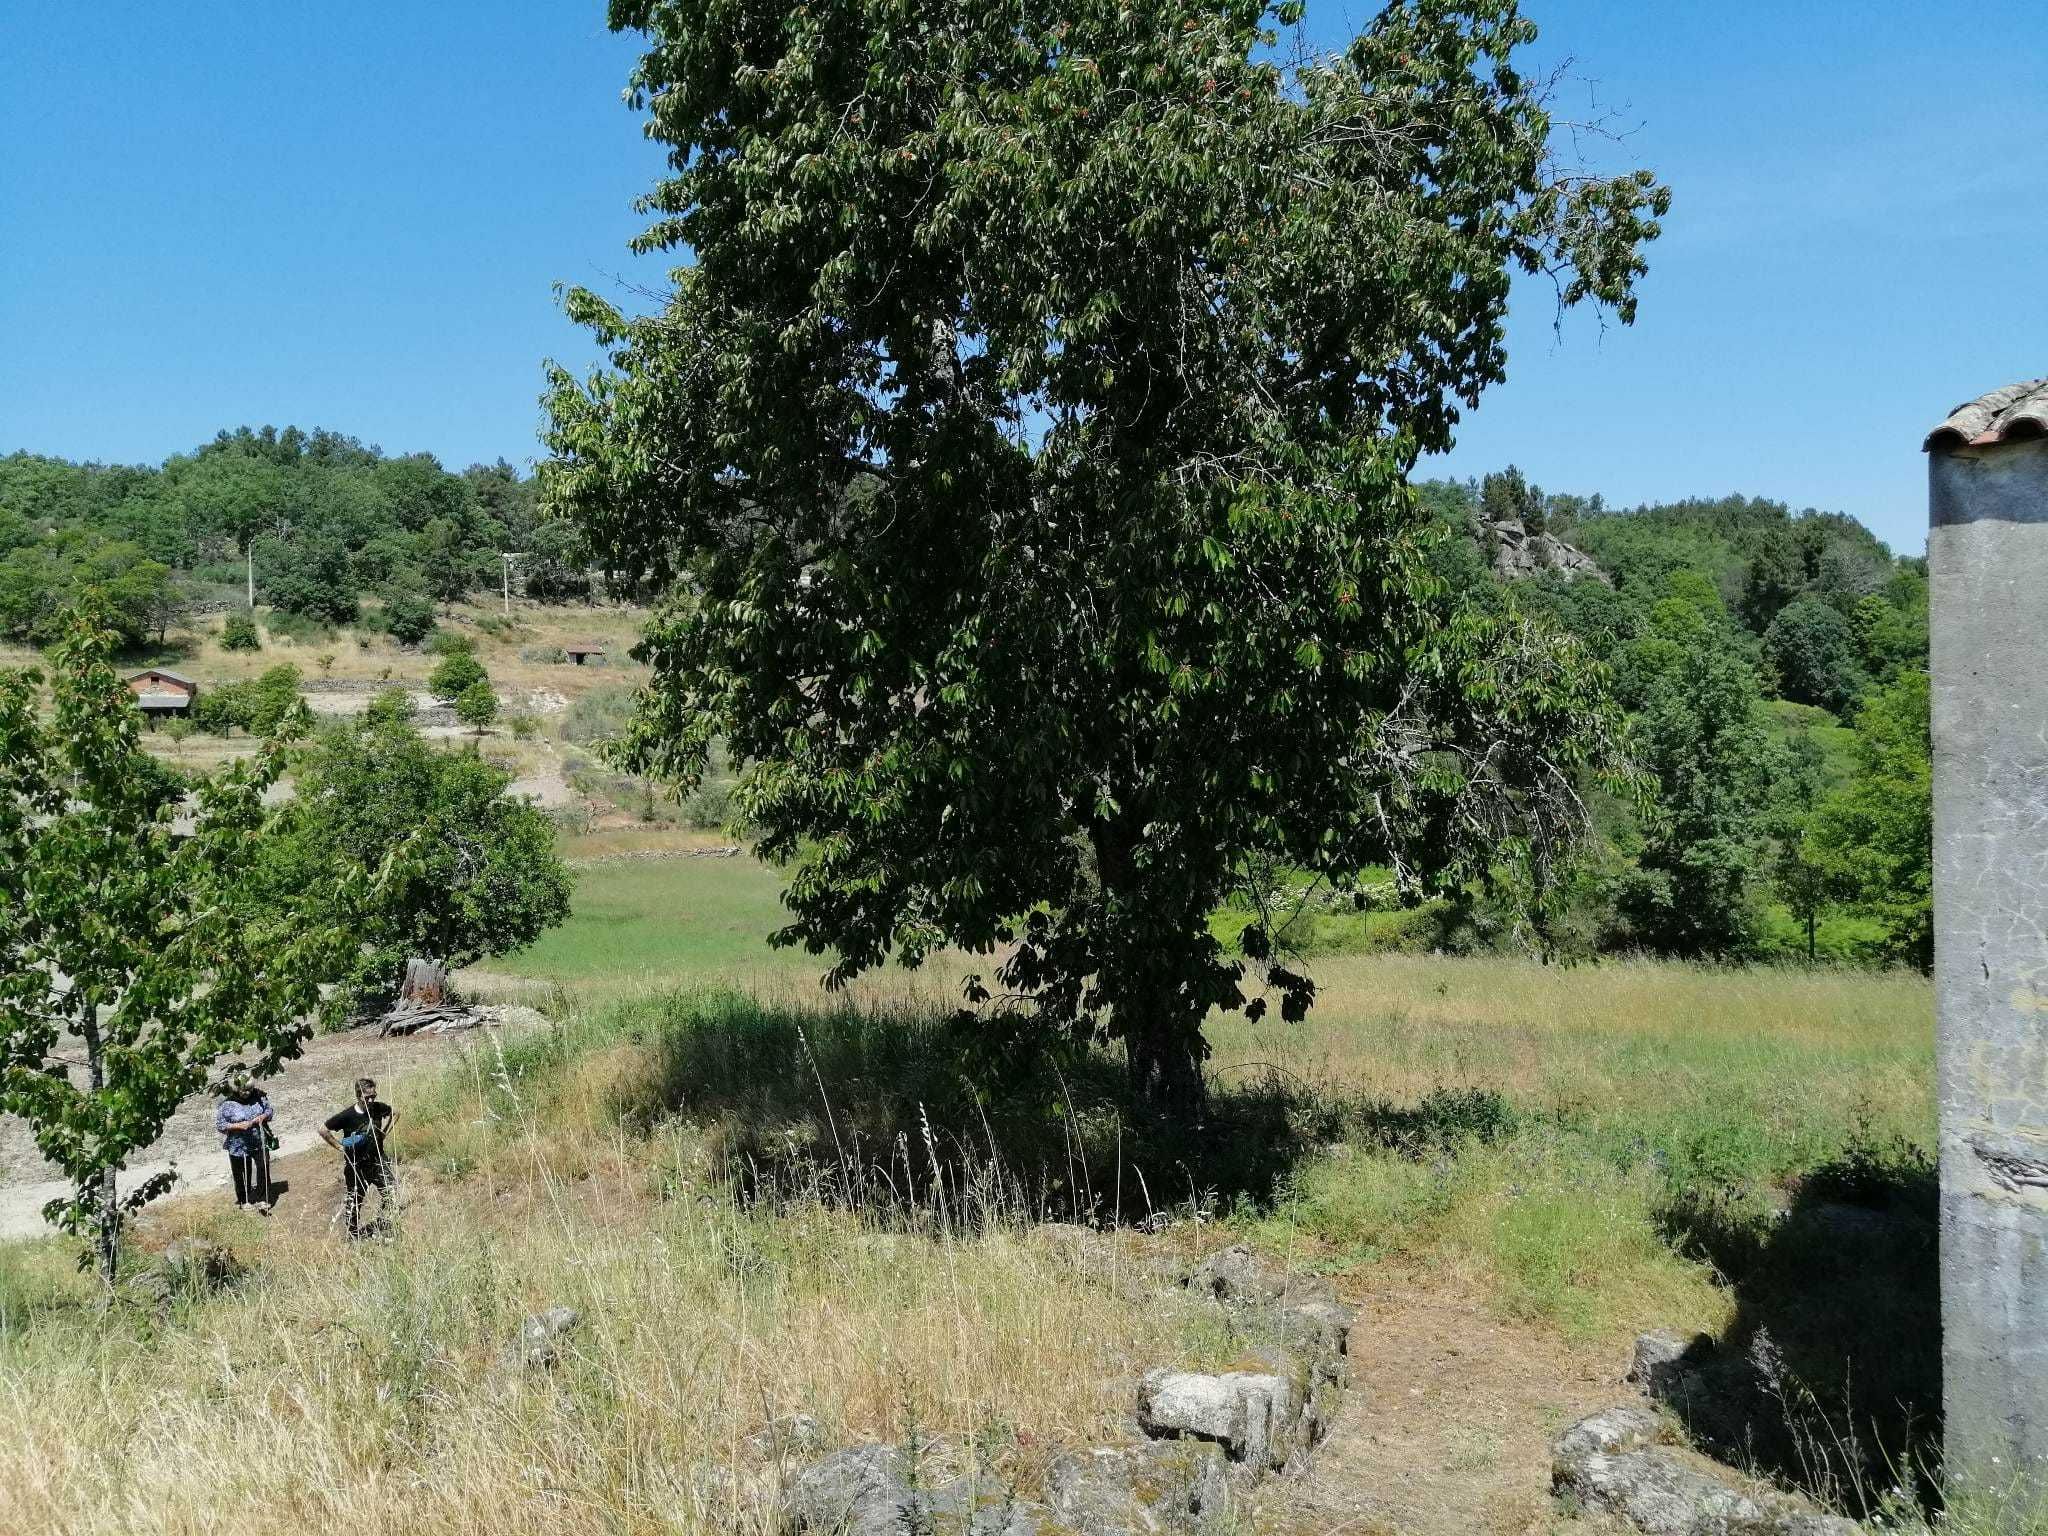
<point>1025,446</point>
<point>137,943</point>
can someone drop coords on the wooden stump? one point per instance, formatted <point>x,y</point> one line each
<point>426,982</point>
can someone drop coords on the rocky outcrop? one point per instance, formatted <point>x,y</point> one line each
<point>1256,1416</point>
<point>1516,553</point>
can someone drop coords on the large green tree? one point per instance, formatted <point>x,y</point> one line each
<point>1875,836</point>
<point>1027,440</point>
<point>137,947</point>
<point>1700,730</point>
<point>476,871</point>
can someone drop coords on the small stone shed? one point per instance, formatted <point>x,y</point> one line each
<point>581,651</point>
<point>163,694</point>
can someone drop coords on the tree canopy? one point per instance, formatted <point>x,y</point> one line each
<point>476,871</point>
<point>1027,445</point>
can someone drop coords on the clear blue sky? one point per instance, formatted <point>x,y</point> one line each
<point>352,216</point>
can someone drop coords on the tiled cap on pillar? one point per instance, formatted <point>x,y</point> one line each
<point>1987,561</point>
<point>2008,415</point>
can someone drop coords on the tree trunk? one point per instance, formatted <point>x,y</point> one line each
<point>106,1209</point>
<point>107,1233</point>
<point>426,982</point>
<point>1165,1059</point>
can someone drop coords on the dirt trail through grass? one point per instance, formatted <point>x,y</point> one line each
<point>1447,1427</point>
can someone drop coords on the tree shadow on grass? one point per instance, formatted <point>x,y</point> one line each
<point>1829,1376</point>
<point>915,1113</point>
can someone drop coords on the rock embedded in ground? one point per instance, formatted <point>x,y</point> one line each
<point>1256,1416</point>
<point>1160,1487</point>
<point>1239,1276</point>
<point>1663,1356</point>
<point>539,1345</point>
<point>190,1266</point>
<point>1611,1461</point>
<point>863,1490</point>
<point>868,1490</point>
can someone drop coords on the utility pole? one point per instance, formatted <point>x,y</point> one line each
<point>508,556</point>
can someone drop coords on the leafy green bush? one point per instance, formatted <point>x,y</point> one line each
<point>455,675</point>
<point>239,633</point>
<point>408,615</point>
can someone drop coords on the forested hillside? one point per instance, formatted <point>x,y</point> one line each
<point>1774,667</point>
<point>317,521</point>
<point>1773,662</point>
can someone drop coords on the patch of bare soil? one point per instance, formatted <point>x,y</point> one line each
<point>1446,1429</point>
<point>303,1095</point>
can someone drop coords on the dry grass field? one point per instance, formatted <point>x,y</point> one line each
<point>765,1202</point>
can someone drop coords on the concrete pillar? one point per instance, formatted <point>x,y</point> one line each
<point>1988,563</point>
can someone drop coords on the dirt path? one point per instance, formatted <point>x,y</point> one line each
<point>1446,1430</point>
<point>303,1095</point>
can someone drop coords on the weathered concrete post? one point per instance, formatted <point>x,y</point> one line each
<point>1987,556</point>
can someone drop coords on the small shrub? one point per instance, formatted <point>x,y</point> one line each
<point>298,628</point>
<point>523,727</point>
<point>391,706</point>
<point>449,642</point>
<point>544,655</point>
<point>239,633</point>
<point>409,616</point>
<point>455,675</point>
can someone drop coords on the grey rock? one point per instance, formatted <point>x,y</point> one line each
<point>1663,1357</point>
<point>1610,1461</point>
<point>539,1345</point>
<point>1320,1330</point>
<point>866,1490</point>
<point>1518,553</point>
<point>968,1507</point>
<point>191,1266</point>
<point>1238,1275</point>
<point>1145,1490</point>
<point>1659,1495</point>
<point>863,1490</point>
<point>1607,1433</point>
<point>1256,1416</point>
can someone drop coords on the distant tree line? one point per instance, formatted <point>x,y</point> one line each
<point>317,519</point>
<point>1773,665</point>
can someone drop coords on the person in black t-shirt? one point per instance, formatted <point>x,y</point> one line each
<point>359,1133</point>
